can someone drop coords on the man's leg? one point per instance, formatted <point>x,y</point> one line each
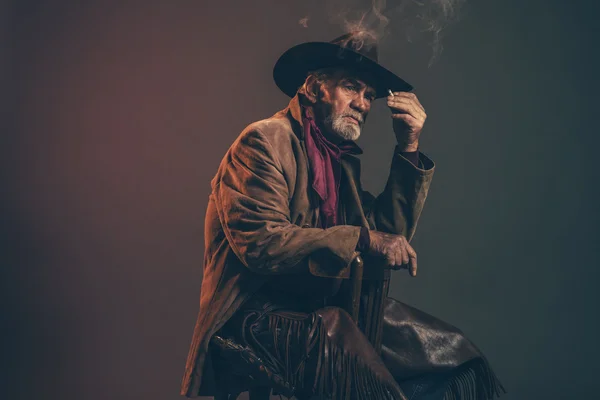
<point>429,357</point>
<point>323,354</point>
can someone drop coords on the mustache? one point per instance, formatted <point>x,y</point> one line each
<point>356,115</point>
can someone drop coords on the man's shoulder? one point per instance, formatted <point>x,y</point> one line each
<point>277,131</point>
<point>276,125</point>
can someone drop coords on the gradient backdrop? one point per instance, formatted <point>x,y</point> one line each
<point>116,116</point>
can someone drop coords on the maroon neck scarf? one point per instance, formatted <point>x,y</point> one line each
<point>324,159</point>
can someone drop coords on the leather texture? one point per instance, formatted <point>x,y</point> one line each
<point>323,354</point>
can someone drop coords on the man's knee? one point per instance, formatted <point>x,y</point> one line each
<point>334,313</point>
<point>336,320</point>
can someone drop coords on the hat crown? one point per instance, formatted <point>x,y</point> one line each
<point>362,42</point>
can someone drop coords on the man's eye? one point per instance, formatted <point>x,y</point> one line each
<point>351,88</point>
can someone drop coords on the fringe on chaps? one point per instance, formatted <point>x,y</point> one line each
<point>323,355</point>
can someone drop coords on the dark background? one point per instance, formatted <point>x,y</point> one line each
<point>116,115</point>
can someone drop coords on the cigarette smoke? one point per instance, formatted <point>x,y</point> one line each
<point>412,19</point>
<point>304,22</point>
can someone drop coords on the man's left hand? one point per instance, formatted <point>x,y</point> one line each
<point>409,117</point>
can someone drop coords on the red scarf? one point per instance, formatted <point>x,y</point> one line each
<point>324,159</point>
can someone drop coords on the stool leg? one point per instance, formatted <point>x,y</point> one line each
<point>260,393</point>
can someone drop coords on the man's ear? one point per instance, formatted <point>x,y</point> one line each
<point>313,89</point>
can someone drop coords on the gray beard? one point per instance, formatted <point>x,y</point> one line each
<point>342,128</point>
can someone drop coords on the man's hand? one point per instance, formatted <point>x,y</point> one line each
<point>409,117</point>
<point>395,249</point>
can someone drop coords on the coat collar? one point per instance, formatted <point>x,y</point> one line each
<point>294,111</point>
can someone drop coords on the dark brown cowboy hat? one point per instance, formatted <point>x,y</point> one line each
<point>357,51</point>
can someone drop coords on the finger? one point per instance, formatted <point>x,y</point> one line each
<point>412,268</point>
<point>413,260</point>
<point>408,96</point>
<point>405,258</point>
<point>390,259</point>
<point>402,94</point>
<point>419,103</point>
<point>409,102</point>
<point>407,106</point>
<point>408,119</point>
<point>397,259</point>
<point>416,100</point>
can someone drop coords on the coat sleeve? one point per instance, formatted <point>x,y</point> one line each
<point>397,209</point>
<point>252,200</point>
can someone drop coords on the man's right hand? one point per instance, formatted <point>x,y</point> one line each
<point>395,249</point>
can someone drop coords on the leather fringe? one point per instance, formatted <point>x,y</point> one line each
<point>475,381</point>
<point>333,363</point>
<point>288,335</point>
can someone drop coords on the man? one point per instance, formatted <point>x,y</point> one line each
<point>286,218</point>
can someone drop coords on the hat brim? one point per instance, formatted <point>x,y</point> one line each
<point>293,66</point>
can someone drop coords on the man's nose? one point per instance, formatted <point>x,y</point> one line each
<point>359,103</point>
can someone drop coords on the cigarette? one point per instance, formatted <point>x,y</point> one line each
<point>391,93</point>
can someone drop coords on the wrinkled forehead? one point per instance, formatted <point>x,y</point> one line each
<point>361,77</point>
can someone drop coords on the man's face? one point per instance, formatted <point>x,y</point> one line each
<point>343,106</point>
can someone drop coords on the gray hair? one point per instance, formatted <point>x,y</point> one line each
<point>321,76</point>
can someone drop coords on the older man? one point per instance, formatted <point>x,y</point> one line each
<point>286,217</point>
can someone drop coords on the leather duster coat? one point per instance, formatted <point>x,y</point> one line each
<point>262,220</point>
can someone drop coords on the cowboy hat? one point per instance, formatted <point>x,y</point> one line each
<point>356,50</point>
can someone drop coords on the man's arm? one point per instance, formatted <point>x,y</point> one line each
<point>251,196</point>
<point>397,209</point>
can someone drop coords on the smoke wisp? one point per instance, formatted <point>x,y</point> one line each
<point>411,19</point>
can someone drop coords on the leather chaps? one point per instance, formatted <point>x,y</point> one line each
<point>323,354</point>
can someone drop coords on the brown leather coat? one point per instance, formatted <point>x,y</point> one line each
<point>260,222</point>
